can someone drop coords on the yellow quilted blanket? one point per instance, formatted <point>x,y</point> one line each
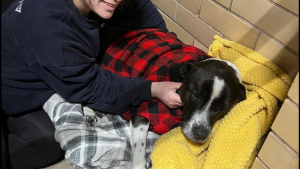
<point>236,138</point>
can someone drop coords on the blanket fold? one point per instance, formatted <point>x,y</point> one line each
<point>236,138</point>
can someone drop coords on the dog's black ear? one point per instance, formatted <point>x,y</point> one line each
<point>243,92</point>
<point>185,68</point>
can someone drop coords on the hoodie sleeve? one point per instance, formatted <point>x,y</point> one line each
<point>96,88</point>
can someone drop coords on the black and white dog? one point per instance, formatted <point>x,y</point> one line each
<point>209,89</point>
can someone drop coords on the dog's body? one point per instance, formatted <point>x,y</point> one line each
<point>209,89</point>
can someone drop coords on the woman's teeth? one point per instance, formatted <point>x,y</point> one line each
<point>108,4</point>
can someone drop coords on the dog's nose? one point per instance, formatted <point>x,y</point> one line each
<point>200,132</point>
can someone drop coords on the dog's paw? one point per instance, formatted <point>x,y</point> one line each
<point>90,115</point>
<point>99,114</point>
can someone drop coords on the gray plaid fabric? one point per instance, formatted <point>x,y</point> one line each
<point>105,146</point>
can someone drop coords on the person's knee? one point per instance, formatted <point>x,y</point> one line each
<point>31,141</point>
<point>38,152</point>
<point>31,128</point>
<point>23,133</point>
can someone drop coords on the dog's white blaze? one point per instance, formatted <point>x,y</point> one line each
<point>217,88</point>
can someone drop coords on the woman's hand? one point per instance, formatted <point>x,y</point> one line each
<point>166,92</point>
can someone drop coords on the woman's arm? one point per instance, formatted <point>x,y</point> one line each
<point>99,89</point>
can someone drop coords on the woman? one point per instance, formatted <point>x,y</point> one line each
<point>53,47</point>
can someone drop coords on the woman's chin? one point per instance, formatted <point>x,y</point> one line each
<point>105,14</point>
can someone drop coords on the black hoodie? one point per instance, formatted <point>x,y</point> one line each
<point>48,47</point>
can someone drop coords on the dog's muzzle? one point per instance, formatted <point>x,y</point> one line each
<point>200,132</point>
<point>196,133</point>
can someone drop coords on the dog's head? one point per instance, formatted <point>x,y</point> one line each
<point>209,90</point>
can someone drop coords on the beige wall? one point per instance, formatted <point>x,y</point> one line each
<point>269,27</point>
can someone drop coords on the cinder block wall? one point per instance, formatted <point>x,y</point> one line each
<point>269,27</point>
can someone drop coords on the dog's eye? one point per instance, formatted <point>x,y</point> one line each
<point>202,93</point>
<point>196,96</point>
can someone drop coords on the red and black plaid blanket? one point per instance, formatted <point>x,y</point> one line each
<point>149,53</point>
